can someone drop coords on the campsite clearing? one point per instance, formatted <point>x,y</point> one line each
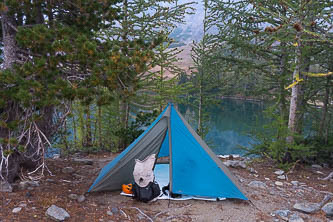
<point>111,206</point>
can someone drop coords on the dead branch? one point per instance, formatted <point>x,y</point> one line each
<point>143,213</point>
<point>330,176</point>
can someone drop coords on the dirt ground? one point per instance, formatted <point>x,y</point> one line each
<point>56,190</point>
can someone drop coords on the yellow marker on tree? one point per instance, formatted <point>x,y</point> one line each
<point>297,80</point>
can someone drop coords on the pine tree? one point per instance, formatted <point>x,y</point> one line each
<point>275,43</point>
<point>160,84</point>
<point>147,22</point>
<point>50,56</point>
<point>204,78</point>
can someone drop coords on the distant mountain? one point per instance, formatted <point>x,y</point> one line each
<point>192,29</point>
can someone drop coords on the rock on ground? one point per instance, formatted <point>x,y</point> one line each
<point>16,210</point>
<point>68,170</point>
<point>5,187</point>
<point>316,166</point>
<point>279,172</point>
<point>278,183</point>
<point>83,161</point>
<point>307,207</point>
<point>281,177</point>
<point>235,164</point>
<point>73,196</point>
<point>27,183</point>
<point>294,182</point>
<point>57,213</point>
<point>295,218</point>
<point>81,198</point>
<point>328,209</point>
<point>257,184</point>
<point>283,214</point>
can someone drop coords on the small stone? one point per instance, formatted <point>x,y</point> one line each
<point>328,209</point>
<point>83,161</point>
<point>16,210</point>
<point>235,164</point>
<point>266,178</point>
<point>33,183</point>
<point>109,213</point>
<point>68,170</point>
<point>278,183</point>
<point>326,165</point>
<point>252,170</point>
<point>73,196</point>
<point>307,207</point>
<point>114,210</point>
<point>279,172</point>
<point>23,185</point>
<point>28,194</point>
<point>295,218</point>
<point>257,184</point>
<point>50,180</point>
<point>81,198</point>
<point>5,187</point>
<point>78,176</point>
<point>30,188</point>
<point>281,177</point>
<point>56,156</point>
<point>316,166</point>
<point>294,182</point>
<point>283,214</point>
<point>57,213</point>
<point>26,184</point>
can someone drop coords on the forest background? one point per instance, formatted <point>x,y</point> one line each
<point>74,72</point>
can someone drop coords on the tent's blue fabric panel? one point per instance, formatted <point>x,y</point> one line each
<point>164,151</point>
<point>194,172</point>
<point>110,165</point>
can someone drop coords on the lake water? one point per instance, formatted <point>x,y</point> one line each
<point>230,124</point>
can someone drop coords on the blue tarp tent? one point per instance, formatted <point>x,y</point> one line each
<point>194,169</point>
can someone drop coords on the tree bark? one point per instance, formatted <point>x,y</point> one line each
<point>124,111</point>
<point>323,122</point>
<point>199,130</point>
<point>295,100</point>
<point>9,44</point>
<point>88,139</point>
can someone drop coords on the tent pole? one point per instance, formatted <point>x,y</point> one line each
<point>170,148</point>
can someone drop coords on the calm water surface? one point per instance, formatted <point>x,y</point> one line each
<point>230,125</point>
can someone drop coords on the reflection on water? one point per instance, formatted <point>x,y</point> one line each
<point>230,124</point>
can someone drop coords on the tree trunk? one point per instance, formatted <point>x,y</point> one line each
<point>10,170</point>
<point>295,100</point>
<point>12,111</point>
<point>9,44</point>
<point>199,130</point>
<point>325,107</point>
<point>100,139</point>
<point>124,111</point>
<point>88,140</point>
